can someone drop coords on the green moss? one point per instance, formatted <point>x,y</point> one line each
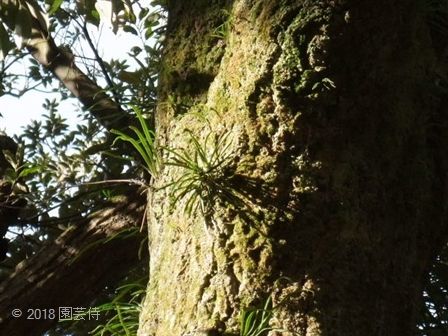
<point>192,63</point>
<point>307,81</point>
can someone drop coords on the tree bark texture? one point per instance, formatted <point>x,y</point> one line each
<point>333,116</point>
<point>74,268</point>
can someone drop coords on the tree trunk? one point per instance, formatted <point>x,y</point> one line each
<point>328,118</point>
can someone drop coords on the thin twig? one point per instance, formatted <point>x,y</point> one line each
<point>129,181</point>
<point>101,64</point>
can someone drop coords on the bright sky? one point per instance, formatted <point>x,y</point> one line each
<point>18,112</point>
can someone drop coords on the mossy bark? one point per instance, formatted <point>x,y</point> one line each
<point>332,114</point>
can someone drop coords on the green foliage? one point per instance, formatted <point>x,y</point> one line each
<point>255,321</point>
<point>116,312</point>
<point>204,173</point>
<point>56,155</point>
<point>143,143</point>
<point>222,31</point>
<point>18,169</point>
<point>54,6</point>
<point>138,87</point>
<point>71,20</point>
<point>123,311</point>
<point>60,159</point>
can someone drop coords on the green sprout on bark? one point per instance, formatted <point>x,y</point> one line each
<point>143,143</point>
<point>223,30</point>
<point>255,322</point>
<point>204,173</point>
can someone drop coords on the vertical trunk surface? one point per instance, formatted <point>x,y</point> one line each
<point>332,196</point>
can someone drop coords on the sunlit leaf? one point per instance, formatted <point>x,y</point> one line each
<point>56,4</point>
<point>130,29</point>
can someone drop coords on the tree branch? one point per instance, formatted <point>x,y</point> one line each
<point>68,273</point>
<point>62,64</point>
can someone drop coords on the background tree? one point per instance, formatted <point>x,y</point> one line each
<point>69,221</point>
<point>299,174</point>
